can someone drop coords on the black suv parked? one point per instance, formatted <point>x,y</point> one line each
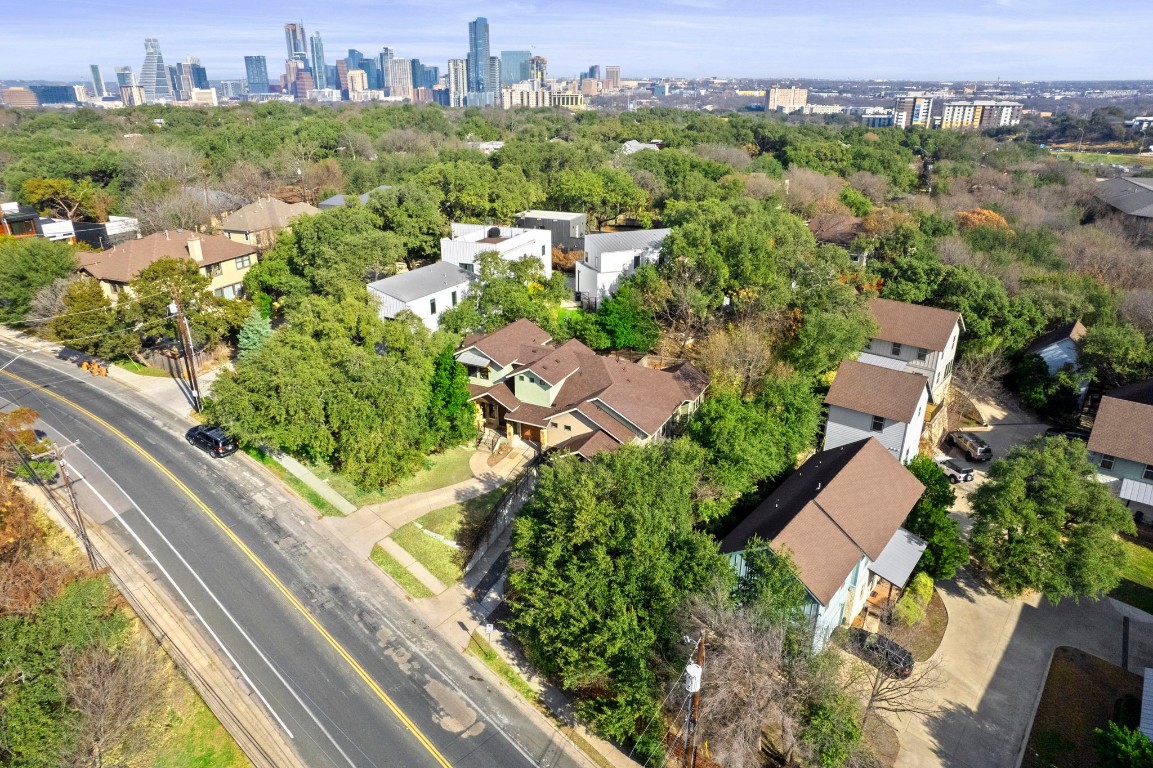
<point>211,439</point>
<point>882,652</point>
<point>1072,434</point>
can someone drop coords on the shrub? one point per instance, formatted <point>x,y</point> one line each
<point>908,611</point>
<point>920,588</point>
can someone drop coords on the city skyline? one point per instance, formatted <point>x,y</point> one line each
<point>1005,39</point>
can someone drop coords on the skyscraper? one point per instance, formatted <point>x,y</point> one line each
<point>457,82</point>
<point>319,69</point>
<point>153,73</point>
<point>295,42</point>
<point>125,78</point>
<point>594,72</point>
<point>538,69</point>
<point>400,78</point>
<point>256,70</point>
<point>514,66</point>
<point>494,77</point>
<point>199,73</point>
<point>384,63</point>
<point>613,77</point>
<point>423,76</point>
<point>477,63</point>
<point>98,87</point>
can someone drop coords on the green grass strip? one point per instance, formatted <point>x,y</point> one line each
<point>399,573</point>
<point>480,648</point>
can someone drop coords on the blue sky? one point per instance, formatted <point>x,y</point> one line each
<point>925,39</point>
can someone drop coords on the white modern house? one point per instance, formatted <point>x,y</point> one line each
<point>609,256</point>
<point>839,517</point>
<point>468,241</point>
<point>568,229</point>
<point>869,401</point>
<point>426,292</point>
<point>917,339</point>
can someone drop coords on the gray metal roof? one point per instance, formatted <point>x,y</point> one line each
<point>608,242</point>
<point>554,215</point>
<point>899,557</point>
<point>410,286</point>
<point>338,200</point>
<point>1145,725</point>
<point>1129,195</point>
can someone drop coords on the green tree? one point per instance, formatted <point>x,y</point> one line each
<point>506,291</point>
<point>1118,746</point>
<point>771,588</point>
<point>256,330</point>
<point>602,193</point>
<point>27,264</point>
<point>1043,522</point>
<point>833,730</point>
<point>75,200</point>
<point>90,323</point>
<point>606,552</point>
<point>451,414</point>
<point>211,319</point>
<point>929,519</point>
<point>1119,353</point>
<point>626,320</point>
<point>413,213</point>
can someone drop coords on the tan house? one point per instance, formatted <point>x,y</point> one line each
<point>257,224</point>
<point>221,259</point>
<point>568,397</point>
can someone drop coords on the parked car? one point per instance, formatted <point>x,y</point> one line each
<point>956,471</point>
<point>212,440</point>
<point>882,652</point>
<point>973,445</point>
<point>1072,434</point>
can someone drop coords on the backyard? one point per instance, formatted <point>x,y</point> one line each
<point>1136,587</point>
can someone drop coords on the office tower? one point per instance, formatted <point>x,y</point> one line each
<point>125,78</point>
<point>332,76</point>
<point>371,67</point>
<point>913,110</point>
<point>342,74</point>
<point>422,76</point>
<point>354,58</point>
<point>295,43</point>
<point>303,83</point>
<point>98,87</point>
<point>153,73</point>
<point>400,78</point>
<point>477,63</point>
<point>54,94</point>
<point>613,77</point>
<point>514,66</point>
<point>786,99</point>
<point>256,70</point>
<point>357,80</point>
<point>174,83</point>
<point>199,73</point>
<point>384,62</point>
<point>457,82</point>
<point>494,73</point>
<point>291,67</point>
<point>538,69</point>
<point>980,115</point>
<point>594,72</point>
<point>319,69</point>
<point>132,95</point>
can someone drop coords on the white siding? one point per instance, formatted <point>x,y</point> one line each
<point>847,426</point>
<point>936,367</point>
<point>423,306</point>
<point>464,246</point>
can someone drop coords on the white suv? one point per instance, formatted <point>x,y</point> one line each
<point>956,471</point>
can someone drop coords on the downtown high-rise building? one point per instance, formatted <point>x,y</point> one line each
<point>424,76</point>
<point>125,78</point>
<point>538,69</point>
<point>256,71</point>
<point>153,73</point>
<point>99,89</point>
<point>612,77</point>
<point>295,43</point>
<point>319,69</point>
<point>594,72</point>
<point>477,62</point>
<point>400,78</point>
<point>514,66</point>
<point>457,82</point>
<point>494,77</point>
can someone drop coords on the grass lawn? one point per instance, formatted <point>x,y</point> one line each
<point>1136,587</point>
<point>194,737</point>
<point>927,634</point>
<point>461,523</point>
<point>441,560</point>
<point>295,483</point>
<point>480,648</point>
<point>440,470</point>
<point>399,573</point>
<point>132,366</point>
<point>1082,692</point>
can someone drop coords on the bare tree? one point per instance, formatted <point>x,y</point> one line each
<point>401,141</point>
<point>249,182</point>
<point>1137,308</point>
<point>183,209</point>
<point>981,373</point>
<point>885,693</point>
<point>871,185</point>
<point>805,187</point>
<point>833,223</point>
<point>761,186</point>
<point>953,250</point>
<point>150,163</point>
<point>741,354</point>
<point>719,153</point>
<point>49,301</point>
<point>116,692</point>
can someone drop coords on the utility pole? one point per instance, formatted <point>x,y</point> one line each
<point>185,332</point>
<point>693,686</point>
<point>81,529</point>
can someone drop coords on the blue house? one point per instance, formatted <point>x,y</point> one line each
<point>1121,444</point>
<point>839,516</point>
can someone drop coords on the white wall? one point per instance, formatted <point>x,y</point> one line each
<point>463,248</point>
<point>601,273</point>
<point>422,307</point>
<point>900,439</point>
<point>936,367</point>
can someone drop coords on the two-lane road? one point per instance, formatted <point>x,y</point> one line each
<point>348,671</point>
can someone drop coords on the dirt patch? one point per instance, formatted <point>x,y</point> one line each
<point>1082,692</point>
<point>454,715</point>
<point>495,458</point>
<point>926,636</point>
<point>882,739</point>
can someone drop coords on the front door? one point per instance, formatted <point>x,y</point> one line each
<point>530,433</point>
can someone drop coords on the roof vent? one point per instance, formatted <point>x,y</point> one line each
<point>494,231</point>
<point>818,486</point>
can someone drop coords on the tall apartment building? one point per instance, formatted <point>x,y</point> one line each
<point>477,63</point>
<point>457,82</point>
<point>357,80</point>
<point>980,115</point>
<point>514,66</point>
<point>424,76</point>
<point>256,71</point>
<point>538,68</point>
<point>786,99</point>
<point>319,69</point>
<point>525,94</point>
<point>98,87</point>
<point>400,78</point>
<point>294,42</point>
<point>494,73</point>
<point>612,77</point>
<point>153,73</point>
<point>913,110</point>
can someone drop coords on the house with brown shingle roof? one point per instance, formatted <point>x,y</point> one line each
<point>839,517</point>
<point>1121,444</point>
<point>917,339</point>
<point>220,259</point>
<point>257,224</point>
<point>568,397</point>
<point>869,401</point>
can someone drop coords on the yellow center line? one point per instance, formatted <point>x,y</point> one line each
<point>372,684</point>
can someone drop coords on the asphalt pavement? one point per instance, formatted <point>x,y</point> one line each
<point>351,674</point>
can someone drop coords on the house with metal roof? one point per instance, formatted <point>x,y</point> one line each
<point>338,200</point>
<point>917,339</point>
<point>469,241</point>
<point>870,401</point>
<point>839,518</point>
<point>567,397</point>
<point>1121,444</point>
<point>1129,195</point>
<point>568,229</point>
<point>611,256</point>
<point>426,292</point>
<point>258,223</point>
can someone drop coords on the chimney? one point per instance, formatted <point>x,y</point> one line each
<point>194,249</point>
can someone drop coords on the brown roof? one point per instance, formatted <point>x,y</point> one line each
<point>265,213</point>
<point>588,444</point>
<point>501,393</point>
<point>914,324</point>
<point>558,364</point>
<point>1124,424</point>
<point>877,391</point>
<point>504,346</point>
<point>533,415</point>
<point>841,504</point>
<point>123,262</point>
<point>1073,330</point>
<point>606,421</point>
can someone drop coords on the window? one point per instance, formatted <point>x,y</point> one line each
<point>542,250</point>
<point>230,291</point>
<point>244,262</point>
<point>1107,461</point>
<point>1148,473</point>
<point>896,349</point>
<point>454,298</point>
<point>482,373</point>
<point>568,427</point>
<point>922,355</point>
<point>878,424</point>
<point>467,267</point>
<point>554,425</point>
<point>432,306</point>
<point>214,270</point>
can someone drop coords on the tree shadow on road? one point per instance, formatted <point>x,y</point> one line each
<point>947,728</point>
<point>966,586</point>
